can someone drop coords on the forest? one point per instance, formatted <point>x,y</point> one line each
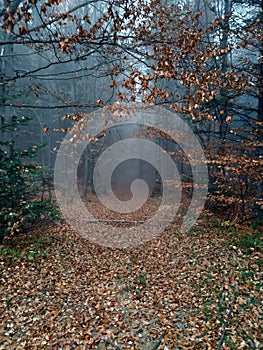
<point>131,192</point>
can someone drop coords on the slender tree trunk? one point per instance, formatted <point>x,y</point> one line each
<point>88,172</point>
<point>224,68</point>
<point>260,71</point>
<point>258,207</point>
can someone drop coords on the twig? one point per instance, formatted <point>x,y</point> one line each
<point>94,221</point>
<point>156,346</point>
<point>226,324</point>
<point>106,340</point>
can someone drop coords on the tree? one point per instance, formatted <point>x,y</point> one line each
<point>22,184</point>
<point>206,66</point>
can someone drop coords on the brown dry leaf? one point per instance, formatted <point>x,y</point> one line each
<point>73,292</point>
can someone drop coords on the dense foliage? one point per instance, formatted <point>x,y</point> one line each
<point>21,184</point>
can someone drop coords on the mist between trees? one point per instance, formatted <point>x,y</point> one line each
<point>61,60</point>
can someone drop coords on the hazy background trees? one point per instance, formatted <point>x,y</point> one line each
<point>203,59</point>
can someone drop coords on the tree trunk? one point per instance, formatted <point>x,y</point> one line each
<point>260,71</point>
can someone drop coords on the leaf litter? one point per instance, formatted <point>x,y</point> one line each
<point>178,291</point>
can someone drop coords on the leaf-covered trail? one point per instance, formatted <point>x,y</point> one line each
<point>179,291</point>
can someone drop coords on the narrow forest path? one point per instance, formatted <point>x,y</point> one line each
<point>178,291</point>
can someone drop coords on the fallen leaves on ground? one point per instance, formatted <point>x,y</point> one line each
<point>185,291</point>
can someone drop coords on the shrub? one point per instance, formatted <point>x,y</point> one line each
<point>20,184</point>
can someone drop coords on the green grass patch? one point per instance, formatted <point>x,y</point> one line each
<point>24,247</point>
<point>247,241</point>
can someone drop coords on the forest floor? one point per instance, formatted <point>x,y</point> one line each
<point>197,290</point>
